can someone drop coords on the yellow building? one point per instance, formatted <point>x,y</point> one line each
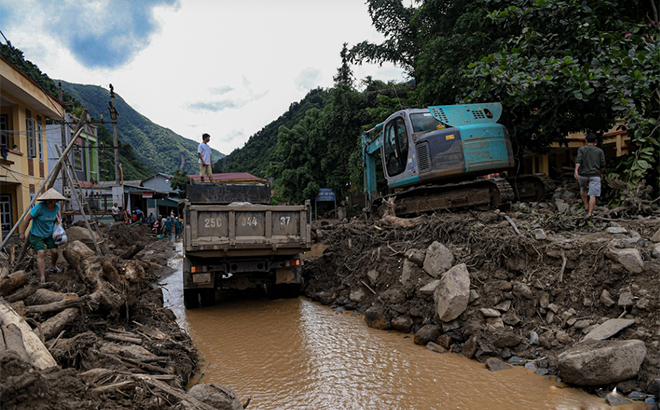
<point>24,108</point>
<point>615,143</point>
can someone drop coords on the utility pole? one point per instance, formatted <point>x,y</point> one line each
<point>113,117</point>
<point>67,204</point>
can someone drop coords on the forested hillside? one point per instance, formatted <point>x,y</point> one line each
<point>257,153</point>
<point>132,167</point>
<point>159,148</point>
<point>556,67</point>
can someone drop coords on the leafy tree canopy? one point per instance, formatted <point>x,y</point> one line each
<point>577,65</point>
<point>178,182</point>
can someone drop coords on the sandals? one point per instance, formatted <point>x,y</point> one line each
<point>43,280</point>
<point>54,270</point>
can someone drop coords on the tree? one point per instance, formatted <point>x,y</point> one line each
<point>577,65</point>
<point>179,181</point>
<point>403,40</point>
<point>344,74</point>
<point>300,151</point>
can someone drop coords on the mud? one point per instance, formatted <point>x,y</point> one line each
<point>95,368</point>
<point>543,282</point>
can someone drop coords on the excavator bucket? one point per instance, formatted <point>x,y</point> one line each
<point>467,114</point>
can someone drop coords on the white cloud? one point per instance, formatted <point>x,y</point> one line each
<point>240,64</point>
<point>308,79</point>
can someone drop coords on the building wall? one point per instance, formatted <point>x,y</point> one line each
<point>22,175</point>
<point>159,183</point>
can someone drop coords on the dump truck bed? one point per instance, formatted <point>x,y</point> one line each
<point>244,229</point>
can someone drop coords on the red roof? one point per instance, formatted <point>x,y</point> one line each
<point>231,177</point>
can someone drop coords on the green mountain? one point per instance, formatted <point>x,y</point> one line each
<point>157,147</point>
<point>257,153</point>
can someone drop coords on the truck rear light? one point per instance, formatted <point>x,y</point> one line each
<point>196,269</point>
<point>295,262</point>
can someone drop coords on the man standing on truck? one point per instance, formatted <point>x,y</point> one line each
<point>589,168</point>
<point>205,161</point>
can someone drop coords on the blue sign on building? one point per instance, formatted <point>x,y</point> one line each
<point>325,194</point>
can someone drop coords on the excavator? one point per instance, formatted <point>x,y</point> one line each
<point>439,158</point>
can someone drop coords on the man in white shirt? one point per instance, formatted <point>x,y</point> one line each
<point>205,162</point>
<point>115,212</point>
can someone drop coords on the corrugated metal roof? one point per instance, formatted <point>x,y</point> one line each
<point>232,177</point>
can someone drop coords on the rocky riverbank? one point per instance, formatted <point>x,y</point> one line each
<point>541,286</point>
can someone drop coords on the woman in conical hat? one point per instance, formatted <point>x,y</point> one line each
<point>43,217</point>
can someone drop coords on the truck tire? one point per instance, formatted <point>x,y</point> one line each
<point>191,298</point>
<point>196,298</point>
<point>207,297</point>
<point>283,291</point>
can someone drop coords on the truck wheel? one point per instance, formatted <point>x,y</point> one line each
<point>207,297</point>
<point>191,298</point>
<point>284,291</point>
<point>289,291</point>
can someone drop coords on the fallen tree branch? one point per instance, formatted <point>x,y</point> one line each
<point>120,338</point>
<point>368,287</point>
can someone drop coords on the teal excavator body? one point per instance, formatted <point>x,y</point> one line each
<point>448,145</point>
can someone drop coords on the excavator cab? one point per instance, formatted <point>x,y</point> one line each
<point>421,148</point>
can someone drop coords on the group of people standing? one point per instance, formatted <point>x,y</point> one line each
<point>165,226</point>
<point>137,216</point>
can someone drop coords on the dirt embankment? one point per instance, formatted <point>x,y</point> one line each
<point>538,283</point>
<point>114,345</point>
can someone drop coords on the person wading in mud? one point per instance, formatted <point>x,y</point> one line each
<point>43,217</point>
<point>589,168</point>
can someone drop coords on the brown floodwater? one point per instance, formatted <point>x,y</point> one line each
<point>297,354</point>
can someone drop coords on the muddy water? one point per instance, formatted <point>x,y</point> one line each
<point>296,354</point>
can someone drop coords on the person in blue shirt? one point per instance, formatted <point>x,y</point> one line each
<point>177,228</point>
<point>168,228</point>
<point>43,217</point>
<point>139,214</point>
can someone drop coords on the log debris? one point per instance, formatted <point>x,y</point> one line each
<point>39,356</point>
<point>58,306</point>
<point>12,282</point>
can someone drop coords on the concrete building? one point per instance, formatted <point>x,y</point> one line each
<point>24,109</point>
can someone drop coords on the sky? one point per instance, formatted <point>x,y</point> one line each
<point>227,68</point>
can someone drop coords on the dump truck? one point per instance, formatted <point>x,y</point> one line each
<point>235,240</point>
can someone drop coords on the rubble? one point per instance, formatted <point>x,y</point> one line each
<point>507,295</point>
<point>96,334</point>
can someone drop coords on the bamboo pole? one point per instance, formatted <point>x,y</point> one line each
<point>51,175</point>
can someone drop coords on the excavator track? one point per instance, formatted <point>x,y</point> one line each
<point>532,187</point>
<point>482,194</point>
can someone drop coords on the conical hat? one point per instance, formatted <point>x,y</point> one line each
<point>51,194</point>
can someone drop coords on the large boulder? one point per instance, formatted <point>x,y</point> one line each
<point>594,363</point>
<point>216,396</point>
<point>427,333</point>
<point>402,323</point>
<point>438,259</point>
<point>375,319</point>
<point>630,258</point>
<point>452,293</point>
